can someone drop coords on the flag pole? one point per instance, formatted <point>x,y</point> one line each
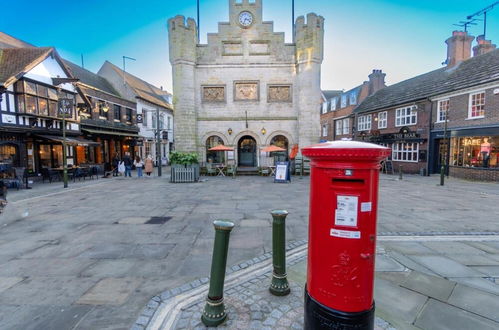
<point>293,18</point>
<point>199,24</point>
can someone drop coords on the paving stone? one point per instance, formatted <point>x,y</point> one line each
<point>411,264</point>
<point>431,286</point>
<point>477,260</point>
<point>478,283</point>
<point>8,282</point>
<point>446,267</point>
<point>453,248</point>
<point>492,271</point>
<point>397,302</point>
<point>448,317</point>
<point>410,248</point>
<point>386,264</point>
<point>476,301</point>
<point>110,291</point>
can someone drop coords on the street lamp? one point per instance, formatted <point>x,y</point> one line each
<point>444,155</point>
<point>65,107</point>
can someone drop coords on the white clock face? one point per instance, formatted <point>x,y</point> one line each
<point>245,18</point>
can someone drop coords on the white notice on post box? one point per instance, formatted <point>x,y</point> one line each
<point>345,233</point>
<point>346,211</point>
<point>366,207</point>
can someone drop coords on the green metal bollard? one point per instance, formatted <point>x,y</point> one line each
<point>400,172</point>
<point>279,285</point>
<point>214,311</point>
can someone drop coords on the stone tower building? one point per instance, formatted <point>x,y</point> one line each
<point>246,88</point>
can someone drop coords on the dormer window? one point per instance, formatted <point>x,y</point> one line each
<point>353,98</point>
<point>343,100</point>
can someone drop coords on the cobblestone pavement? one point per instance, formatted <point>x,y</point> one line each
<point>84,257</point>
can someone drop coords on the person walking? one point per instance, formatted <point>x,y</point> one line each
<point>128,164</point>
<point>138,163</point>
<point>116,162</point>
<point>149,165</point>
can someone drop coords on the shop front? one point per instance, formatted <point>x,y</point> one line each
<point>473,155</point>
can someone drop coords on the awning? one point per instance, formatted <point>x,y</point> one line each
<point>74,141</point>
<point>95,131</point>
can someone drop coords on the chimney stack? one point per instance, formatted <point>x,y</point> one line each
<point>458,48</point>
<point>483,46</point>
<point>376,81</point>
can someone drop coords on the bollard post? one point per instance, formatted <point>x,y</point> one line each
<point>279,285</point>
<point>214,312</point>
<point>400,172</point>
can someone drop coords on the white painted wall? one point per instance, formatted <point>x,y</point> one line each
<point>48,69</point>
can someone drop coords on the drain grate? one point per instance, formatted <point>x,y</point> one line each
<point>157,220</point>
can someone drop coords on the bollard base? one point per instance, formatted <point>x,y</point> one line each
<point>318,316</point>
<point>214,313</point>
<point>279,285</point>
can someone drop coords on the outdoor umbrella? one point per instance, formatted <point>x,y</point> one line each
<point>273,148</point>
<point>221,147</point>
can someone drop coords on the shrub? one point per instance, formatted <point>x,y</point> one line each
<point>183,158</point>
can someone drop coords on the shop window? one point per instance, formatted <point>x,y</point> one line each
<point>20,104</point>
<point>42,91</point>
<point>476,151</point>
<point>30,87</point>
<point>339,127</point>
<point>346,126</point>
<point>364,123</point>
<point>103,110</point>
<point>405,152</point>
<point>406,116</point>
<point>43,107</point>
<point>477,105</point>
<point>382,120</point>
<point>144,117</point>
<point>31,104</point>
<point>324,130</point>
<point>442,110</point>
<point>9,155</point>
<point>128,116</point>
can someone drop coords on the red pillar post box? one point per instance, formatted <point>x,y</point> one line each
<point>342,234</point>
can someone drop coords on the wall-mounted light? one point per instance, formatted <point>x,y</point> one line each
<point>105,107</point>
<point>229,131</point>
<point>263,130</point>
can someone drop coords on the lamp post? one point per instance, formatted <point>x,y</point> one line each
<point>158,142</point>
<point>444,155</point>
<point>65,107</point>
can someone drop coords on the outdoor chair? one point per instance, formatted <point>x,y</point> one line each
<point>231,170</point>
<point>47,174</point>
<point>77,173</point>
<point>210,169</point>
<point>264,171</point>
<point>93,171</point>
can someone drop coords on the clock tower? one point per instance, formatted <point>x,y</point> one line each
<point>246,88</point>
<point>243,8</point>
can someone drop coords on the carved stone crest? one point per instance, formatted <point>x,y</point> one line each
<point>213,94</point>
<point>281,93</point>
<point>246,91</point>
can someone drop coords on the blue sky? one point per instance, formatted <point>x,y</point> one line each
<point>403,38</point>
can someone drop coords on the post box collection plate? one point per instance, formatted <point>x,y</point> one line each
<point>342,234</point>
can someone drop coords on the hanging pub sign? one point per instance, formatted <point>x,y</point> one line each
<point>140,118</point>
<point>282,172</point>
<point>65,108</point>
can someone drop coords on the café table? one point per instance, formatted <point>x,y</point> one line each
<point>220,168</point>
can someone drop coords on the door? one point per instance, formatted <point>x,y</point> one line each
<point>246,149</point>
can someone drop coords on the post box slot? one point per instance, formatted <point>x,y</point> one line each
<point>348,182</point>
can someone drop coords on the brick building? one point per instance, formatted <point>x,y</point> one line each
<point>337,107</point>
<point>409,116</point>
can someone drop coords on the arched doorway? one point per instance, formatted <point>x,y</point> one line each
<point>282,142</point>
<point>246,151</point>
<point>214,156</point>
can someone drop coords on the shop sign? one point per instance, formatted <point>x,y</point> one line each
<point>282,172</point>
<point>139,118</point>
<point>139,142</point>
<point>65,108</point>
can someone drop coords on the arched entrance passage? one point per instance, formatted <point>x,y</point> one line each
<point>246,151</point>
<point>282,142</point>
<point>214,156</point>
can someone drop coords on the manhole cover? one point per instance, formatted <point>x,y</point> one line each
<point>158,220</point>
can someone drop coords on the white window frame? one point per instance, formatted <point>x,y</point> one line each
<point>346,126</point>
<point>401,153</point>
<point>324,107</point>
<point>406,116</point>
<point>324,130</point>
<point>352,99</point>
<point>332,103</point>
<point>338,126</point>
<point>470,106</point>
<point>144,117</point>
<point>440,112</point>
<point>364,123</point>
<point>344,101</point>
<point>383,119</point>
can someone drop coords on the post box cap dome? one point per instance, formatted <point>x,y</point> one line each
<point>347,150</point>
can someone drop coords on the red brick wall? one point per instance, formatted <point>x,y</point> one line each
<point>458,111</point>
<point>470,173</point>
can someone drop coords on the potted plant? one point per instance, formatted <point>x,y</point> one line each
<point>182,165</point>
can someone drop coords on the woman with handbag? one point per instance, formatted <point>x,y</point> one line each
<point>138,163</point>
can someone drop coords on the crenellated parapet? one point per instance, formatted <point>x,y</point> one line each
<point>309,39</point>
<point>182,39</point>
